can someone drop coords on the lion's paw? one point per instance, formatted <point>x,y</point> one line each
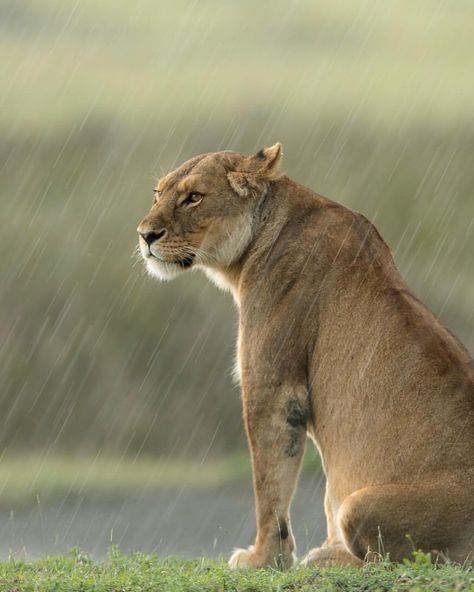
<point>330,556</point>
<point>243,558</point>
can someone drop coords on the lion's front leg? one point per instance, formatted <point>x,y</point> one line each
<point>276,429</point>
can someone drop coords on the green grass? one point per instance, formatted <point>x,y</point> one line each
<point>30,478</point>
<point>27,479</point>
<point>143,573</point>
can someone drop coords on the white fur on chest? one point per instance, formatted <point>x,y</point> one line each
<point>217,278</point>
<point>220,280</point>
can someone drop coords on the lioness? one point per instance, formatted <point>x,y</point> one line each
<point>331,344</point>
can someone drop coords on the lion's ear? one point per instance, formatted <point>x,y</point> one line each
<point>257,170</point>
<point>245,184</point>
<point>239,183</point>
<point>266,162</point>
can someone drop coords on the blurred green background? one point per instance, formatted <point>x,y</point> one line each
<point>373,102</point>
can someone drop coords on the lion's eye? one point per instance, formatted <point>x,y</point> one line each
<point>192,199</point>
<point>156,194</point>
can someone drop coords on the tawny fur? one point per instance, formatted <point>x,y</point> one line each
<point>332,345</point>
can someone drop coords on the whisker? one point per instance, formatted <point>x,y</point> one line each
<point>206,254</point>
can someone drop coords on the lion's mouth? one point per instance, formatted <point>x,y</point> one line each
<point>186,262</point>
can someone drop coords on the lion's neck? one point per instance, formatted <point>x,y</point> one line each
<point>228,278</point>
<point>223,280</point>
<point>268,218</point>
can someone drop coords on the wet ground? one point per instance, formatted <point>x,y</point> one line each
<point>180,522</point>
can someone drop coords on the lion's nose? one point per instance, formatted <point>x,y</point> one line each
<point>151,237</point>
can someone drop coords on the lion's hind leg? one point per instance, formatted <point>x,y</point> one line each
<point>395,520</point>
<point>332,552</point>
<point>330,555</point>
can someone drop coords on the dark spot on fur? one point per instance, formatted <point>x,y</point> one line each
<point>186,262</point>
<point>294,444</point>
<point>283,530</point>
<point>261,155</point>
<point>297,418</point>
<point>297,413</point>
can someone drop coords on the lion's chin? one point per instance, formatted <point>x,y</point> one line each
<point>165,271</point>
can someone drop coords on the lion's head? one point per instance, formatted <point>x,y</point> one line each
<point>203,212</point>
